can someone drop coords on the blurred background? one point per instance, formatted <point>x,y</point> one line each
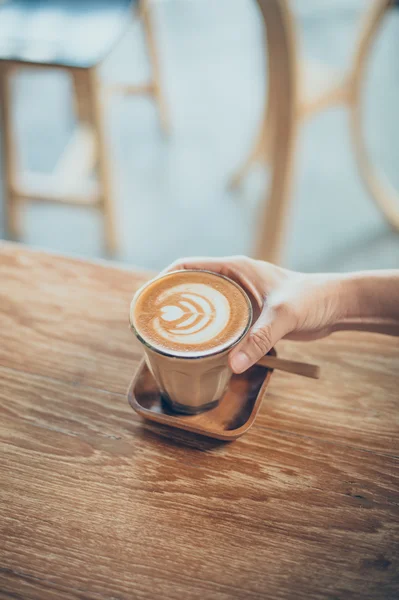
<point>170,188</point>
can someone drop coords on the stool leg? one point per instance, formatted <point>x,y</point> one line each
<point>104,175</point>
<point>145,12</point>
<point>85,118</point>
<point>81,96</point>
<point>9,157</point>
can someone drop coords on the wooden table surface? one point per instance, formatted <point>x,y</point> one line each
<point>95,503</point>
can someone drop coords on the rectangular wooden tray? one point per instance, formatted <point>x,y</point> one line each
<point>234,415</point>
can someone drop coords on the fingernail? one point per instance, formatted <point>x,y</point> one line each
<point>240,362</point>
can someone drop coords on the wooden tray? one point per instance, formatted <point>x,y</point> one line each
<point>233,416</point>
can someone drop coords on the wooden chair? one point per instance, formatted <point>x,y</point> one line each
<point>291,100</point>
<point>75,36</point>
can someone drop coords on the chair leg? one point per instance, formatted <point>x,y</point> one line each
<point>94,104</point>
<point>383,193</point>
<point>272,221</point>
<point>258,154</point>
<point>145,13</point>
<point>283,104</point>
<point>13,226</point>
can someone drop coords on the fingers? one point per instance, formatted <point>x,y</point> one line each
<point>273,324</point>
<point>200,262</point>
<point>236,268</point>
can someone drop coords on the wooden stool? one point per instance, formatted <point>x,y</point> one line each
<point>297,91</point>
<point>77,38</point>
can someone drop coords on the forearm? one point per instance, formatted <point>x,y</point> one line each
<point>370,301</point>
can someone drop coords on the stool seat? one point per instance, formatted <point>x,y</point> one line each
<point>67,33</point>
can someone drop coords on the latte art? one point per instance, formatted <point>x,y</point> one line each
<point>195,312</point>
<point>190,313</point>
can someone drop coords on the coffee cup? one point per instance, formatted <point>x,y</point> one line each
<point>188,321</point>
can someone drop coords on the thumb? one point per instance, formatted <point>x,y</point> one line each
<point>272,324</point>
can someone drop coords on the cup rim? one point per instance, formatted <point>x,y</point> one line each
<point>181,355</point>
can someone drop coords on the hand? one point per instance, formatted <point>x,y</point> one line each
<point>286,304</point>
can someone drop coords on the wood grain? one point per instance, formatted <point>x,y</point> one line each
<point>96,503</point>
<point>356,399</point>
<point>68,320</point>
<point>119,508</point>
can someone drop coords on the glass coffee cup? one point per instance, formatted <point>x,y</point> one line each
<point>188,321</point>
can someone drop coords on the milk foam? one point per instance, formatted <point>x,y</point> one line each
<point>192,313</point>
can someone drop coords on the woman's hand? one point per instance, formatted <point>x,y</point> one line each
<point>287,304</point>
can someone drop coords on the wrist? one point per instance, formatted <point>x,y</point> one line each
<point>351,296</point>
<point>340,296</point>
<point>373,294</point>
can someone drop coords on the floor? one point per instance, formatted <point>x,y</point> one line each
<point>171,194</point>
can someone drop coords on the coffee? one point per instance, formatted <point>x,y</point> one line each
<point>191,313</point>
<point>188,321</point>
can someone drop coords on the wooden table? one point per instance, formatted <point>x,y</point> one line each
<point>95,503</point>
